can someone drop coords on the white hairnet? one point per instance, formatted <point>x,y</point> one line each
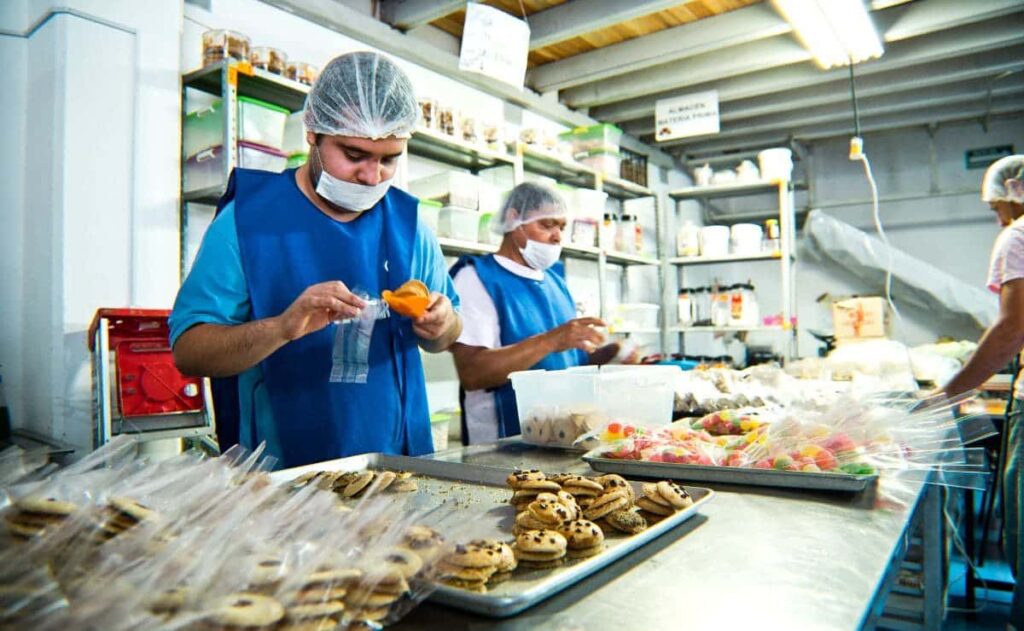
<point>364,95</point>
<point>995,186</point>
<point>526,203</point>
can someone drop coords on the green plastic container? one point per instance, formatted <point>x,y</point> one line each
<point>429,212</point>
<point>261,122</point>
<point>603,136</point>
<point>297,159</point>
<point>203,129</point>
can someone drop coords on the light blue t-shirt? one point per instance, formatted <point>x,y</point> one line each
<point>215,292</point>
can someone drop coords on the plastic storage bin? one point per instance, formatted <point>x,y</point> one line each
<point>253,156</point>
<point>454,222</point>
<point>601,137</point>
<point>775,164</point>
<point>205,169</point>
<point>450,187</point>
<point>556,407</point>
<point>294,139</point>
<point>203,129</point>
<point>485,235</point>
<point>429,212</point>
<point>714,241</point>
<point>636,315</point>
<point>600,160</point>
<point>746,239</point>
<point>261,123</point>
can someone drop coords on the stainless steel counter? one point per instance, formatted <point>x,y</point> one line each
<point>755,558</point>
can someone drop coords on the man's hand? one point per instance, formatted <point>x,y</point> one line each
<point>438,319</point>
<point>580,333</point>
<point>318,306</point>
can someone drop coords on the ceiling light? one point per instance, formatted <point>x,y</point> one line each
<point>836,32</point>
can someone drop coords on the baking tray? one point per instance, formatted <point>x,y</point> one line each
<point>733,475</point>
<point>482,497</point>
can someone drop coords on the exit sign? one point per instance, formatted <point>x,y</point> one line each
<point>981,158</point>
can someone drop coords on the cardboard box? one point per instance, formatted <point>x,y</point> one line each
<point>860,318</point>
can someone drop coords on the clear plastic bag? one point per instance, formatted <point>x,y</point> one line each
<point>351,354</point>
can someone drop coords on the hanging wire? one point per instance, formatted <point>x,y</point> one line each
<point>853,98</point>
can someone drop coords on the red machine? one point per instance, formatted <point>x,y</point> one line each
<point>153,399</point>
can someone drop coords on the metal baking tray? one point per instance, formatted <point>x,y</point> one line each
<point>733,475</point>
<point>481,496</point>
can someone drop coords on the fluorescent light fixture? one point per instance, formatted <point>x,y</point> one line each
<point>836,32</point>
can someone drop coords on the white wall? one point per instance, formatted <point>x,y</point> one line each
<point>98,120</point>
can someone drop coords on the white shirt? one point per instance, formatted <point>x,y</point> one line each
<point>481,327</point>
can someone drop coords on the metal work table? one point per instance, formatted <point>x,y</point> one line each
<point>772,558</point>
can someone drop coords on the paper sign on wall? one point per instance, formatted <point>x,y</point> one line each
<point>691,115</point>
<point>494,44</point>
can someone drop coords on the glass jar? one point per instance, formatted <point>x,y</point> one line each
<point>428,112</point>
<point>301,71</point>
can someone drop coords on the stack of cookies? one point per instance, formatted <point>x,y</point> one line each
<point>662,499</point>
<point>34,515</point>
<point>425,542</point>
<point>583,538</point>
<point>583,489</point>
<point>527,485</point>
<point>369,599</point>
<point>352,484</point>
<point>540,549</point>
<point>547,512</point>
<point>121,514</point>
<point>474,565</point>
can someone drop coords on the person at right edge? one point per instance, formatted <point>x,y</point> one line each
<point>518,314</point>
<point>1003,189</point>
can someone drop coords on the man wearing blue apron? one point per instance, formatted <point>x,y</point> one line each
<point>285,290</point>
<point>518,312</point>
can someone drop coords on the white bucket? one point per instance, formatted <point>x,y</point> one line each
<point>776,164</point>
<point>714,241</point>
<point>746,238</point>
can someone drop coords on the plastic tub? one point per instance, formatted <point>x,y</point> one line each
<point>254,156</point>
<point>746,238</point>
<point>636,315</point>
<point>261,122</point>
<point>454,188</point>
<point>203,129</point>
<point>714,241</point>
<point>269,59</point>
<point>221,44</point>
<point>485,234</point>
<point>205,169</point>
<point>602,161</point>
<point>429,212</point>
<point>294,139</point>
<point>440,425</point>
<point>301,71</point>
<point>556,407</point>
<point>602,137</point>
<point>454,222</point>
<point>776,164</point>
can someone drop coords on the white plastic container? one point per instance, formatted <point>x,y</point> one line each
<point>485,235</point>
<point>636,315</point>
<point>555,407</point>
<point>746,239</point>
<point>294,135</point>
<point>776,164</point>
<point>261,123</point>
<point>203,129</point>
<point>688,239</point>
<point>205,169</point>
<point>714,241</point>
<point>454,222</point>
<point>253,156</point>
<point>454,188</point>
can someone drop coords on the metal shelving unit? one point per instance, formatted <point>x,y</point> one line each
<point>784,257</point>
<point>229,80</point>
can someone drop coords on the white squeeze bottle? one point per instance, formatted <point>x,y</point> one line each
<point>688,239</point>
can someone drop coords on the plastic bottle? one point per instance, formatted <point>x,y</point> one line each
<point>720,306</point>
<point>638,236</point>
<point>625,238</point>
<point>608,232</point>
<point>688,239</point>
<point>685,307</point>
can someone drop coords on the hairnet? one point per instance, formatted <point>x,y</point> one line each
<point>994,186</point>
<point>526,203</point>
<point>362,94</point>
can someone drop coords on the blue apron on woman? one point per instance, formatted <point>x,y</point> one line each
<point>526,307</point>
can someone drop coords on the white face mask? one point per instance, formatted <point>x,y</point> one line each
<point>349,195</point>
<point>540,256</point>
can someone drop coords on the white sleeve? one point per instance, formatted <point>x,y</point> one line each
<point>480,326</point>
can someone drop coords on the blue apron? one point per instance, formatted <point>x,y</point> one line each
<point>286,244</point>
<point>526,307</point>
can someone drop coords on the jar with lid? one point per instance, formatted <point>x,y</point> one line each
<point>720,305</point>
<point>685,307</point>
<point>743,305</point>
<point>625,239</point>
<point>269,59</point>
<point>609,231</point>
<point>220,44</point>
<point>428,112</point>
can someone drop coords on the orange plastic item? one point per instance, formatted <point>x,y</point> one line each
<point>410,300</point>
